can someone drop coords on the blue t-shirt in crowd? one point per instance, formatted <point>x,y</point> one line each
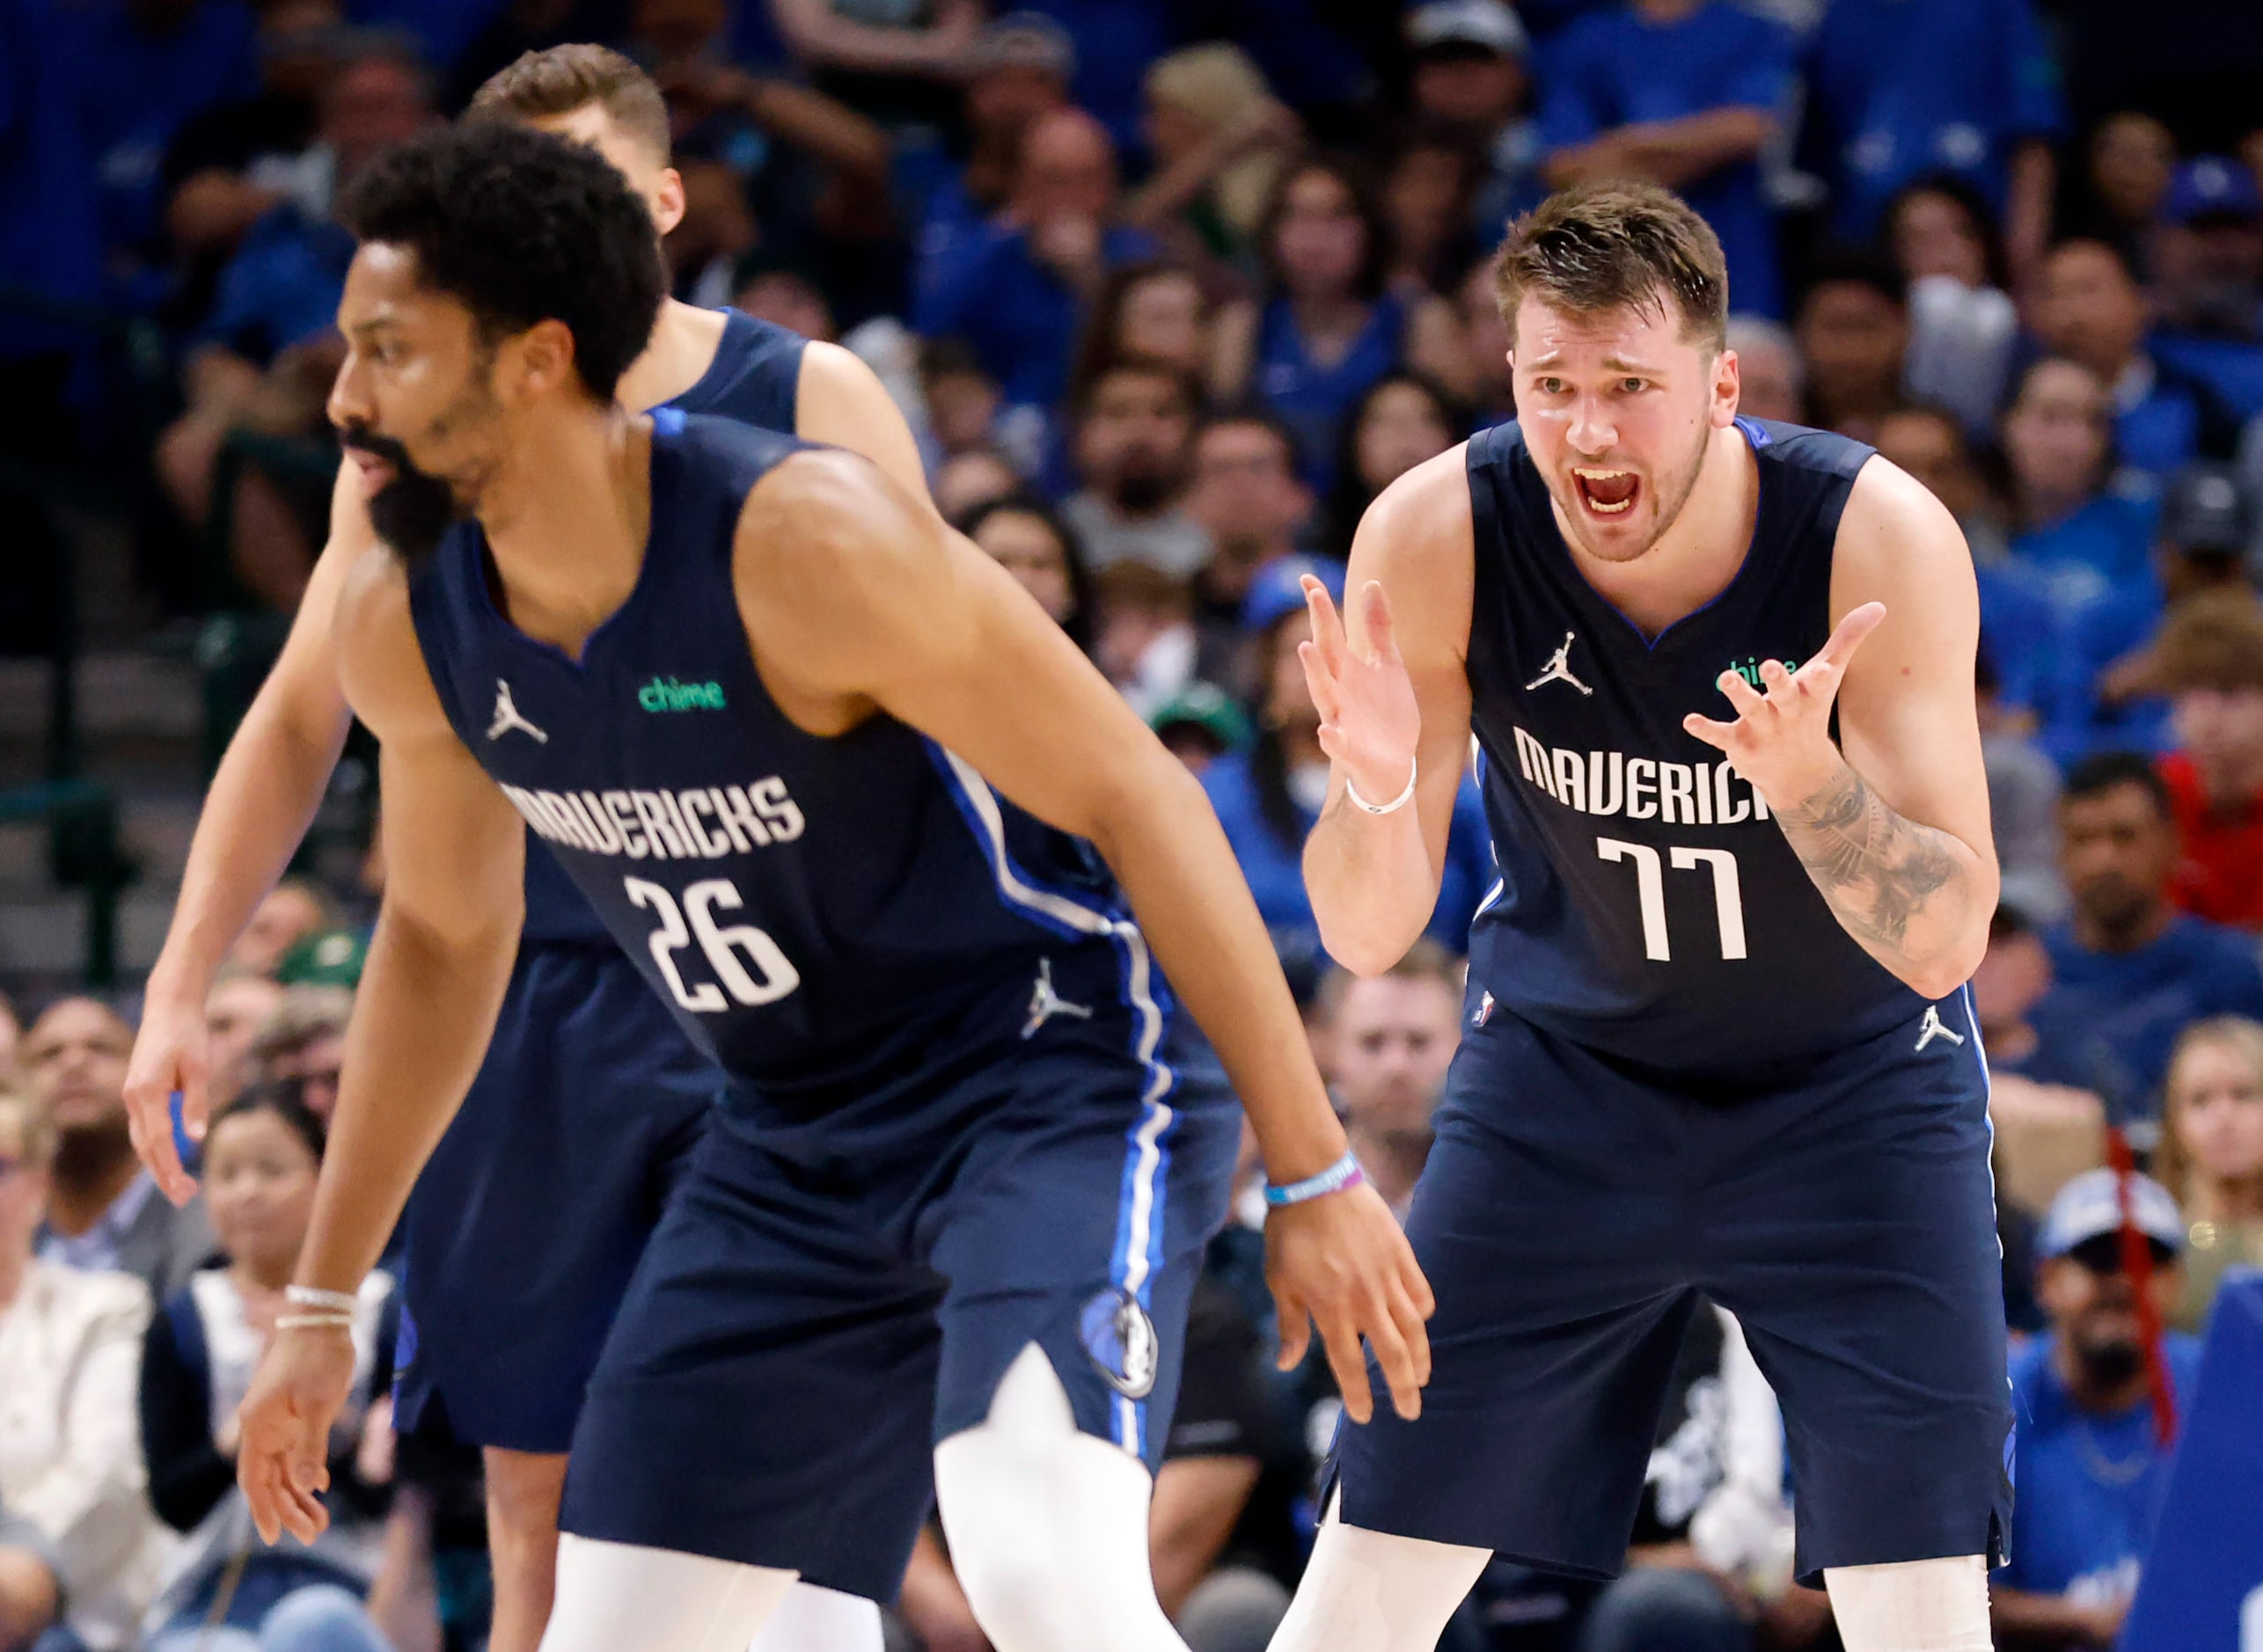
<point>2232,365</point>
<point>1274,868</point>
<point>2020,632</point>
<point>1116,41</point>
<point>1616,68</point>
<point>1899,89</point>
<point>134,89</point>
<point>2095,635</point>
<point>50,238</point>
<point>282,286</point>
<point>2180,417</point>
<point>1313,398</point>
<point>2105,543</point>
<point>1018,315</point>
<point>2111,1019</point>
<point>2090,1487</point>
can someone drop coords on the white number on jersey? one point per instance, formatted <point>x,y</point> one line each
<point>1649,892</point>
<point>744,958</point>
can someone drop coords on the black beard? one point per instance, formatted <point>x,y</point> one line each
<point>2110,1364</point>
<point>412,512</point>
<point>1142,492</point>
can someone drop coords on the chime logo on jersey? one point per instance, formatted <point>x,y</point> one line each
<point>1121,1339</point>
<point>1641,788</point>
<point>699,822</point>
<point>1749,667</point>
<point>666,694</point>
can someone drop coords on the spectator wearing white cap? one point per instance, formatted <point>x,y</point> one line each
<point>2087,1459</point>
<point>1472,77</point>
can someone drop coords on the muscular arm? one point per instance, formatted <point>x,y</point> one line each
<point>263,796</point>
<point>455,856</point>
<point>1374,879</point>
<point>839,400</point>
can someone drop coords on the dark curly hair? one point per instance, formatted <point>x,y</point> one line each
<point>522,227</point>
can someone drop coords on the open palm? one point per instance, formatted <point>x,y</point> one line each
<point>1369,722</point>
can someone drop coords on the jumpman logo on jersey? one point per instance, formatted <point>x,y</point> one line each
<point>1559,669</point>
<point>508,718</point>
<point>1931,1027</point>
<point>1044,1003</point>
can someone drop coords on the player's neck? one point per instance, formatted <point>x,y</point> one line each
<point>1694,560</point>
<point>685,340</point>
<point>567,518</point>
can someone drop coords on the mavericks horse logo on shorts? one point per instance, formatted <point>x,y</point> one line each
<point>1122,1340</point>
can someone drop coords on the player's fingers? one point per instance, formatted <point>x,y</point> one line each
<point>149,1122</point>
<point>1743,698</point>
<point>1375,616</point>
<point>255,1474</point>
<point>1413,1331</point>
<point>1332,743</point>
<point>1327,625</point>
<point>1774,677</point>
<point>1319,680</point>
<point>1720,737</point>
<point>1296,1329</point>
<point>1858,623</point>
<point>1415,1284</point>
<point>1340,1340</point>
<point>195,1100</point>
<point>1393,1359</point>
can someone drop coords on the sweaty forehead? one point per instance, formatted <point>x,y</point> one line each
<point>1547,336</point>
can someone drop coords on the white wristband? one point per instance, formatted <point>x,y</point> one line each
<point>314,1296</point>
<point>1395,804</point>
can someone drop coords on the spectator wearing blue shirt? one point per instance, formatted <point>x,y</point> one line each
<point>1853,328</point>
<point>2080,539</point>
<point>1015,290</point>
<point>2208,270</point>
<point>1685,93</point>
<point>1325,330</point>
<point>1472,77</point>
<point>2089,1466</point>
<point>1897,89</point>
<point>2130,970</point>
<point>2090,308</point>
<point>50,236</point>
<point>1269,797</point>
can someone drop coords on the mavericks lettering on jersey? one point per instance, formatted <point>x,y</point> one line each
<point>699,822</point>
<point>1640,788</point>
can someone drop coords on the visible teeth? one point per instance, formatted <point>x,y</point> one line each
<point>1597,476</point>
<point>1610,511</point>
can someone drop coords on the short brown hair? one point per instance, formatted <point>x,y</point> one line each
<point>2213,642</point>
<point>538,85</point>
<point>303,1014</point>
<point>1598,247</point>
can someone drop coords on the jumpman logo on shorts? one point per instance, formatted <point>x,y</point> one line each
<point>1931,1027</point>
<point>1044,1003</point>
<point>1559,669</point>
<point>508,718</point>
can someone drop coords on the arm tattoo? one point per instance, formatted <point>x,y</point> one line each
<point>1877,870</point>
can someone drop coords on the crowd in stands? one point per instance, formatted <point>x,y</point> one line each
<point>1170,294</point>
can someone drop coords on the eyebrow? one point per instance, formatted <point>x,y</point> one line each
<point>1611,364</point>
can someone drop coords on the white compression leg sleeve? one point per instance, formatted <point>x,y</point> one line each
<point>813,1619</point>
<point>1369,1591</point>
<point>1913,1606</point>
<point>612,1596</point>
<point>1048,1525</point>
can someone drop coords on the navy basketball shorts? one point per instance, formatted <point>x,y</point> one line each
<point>528,1222</point>
<point>1844,1210</point>
<point>808,1324</point>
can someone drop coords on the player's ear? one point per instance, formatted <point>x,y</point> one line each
<point>1727,387</point>
<point>544,355</point>
<point>668,200</point>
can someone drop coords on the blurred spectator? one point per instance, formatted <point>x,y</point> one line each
<point>1145,641</point>
<point>104,1213</point>
<point>1460,341</point>
<point>1771,379</point>
<point>1200,725</point>
<point>2210,658</point>
<point>1962,324</point>
<point>70,1469</point>
<point>327,958</point>
<point>962,400</point>
<point>1132,444</point>
<point>1393,1037</point>
<point>2046,1134</point>
<point>1471,78</point>
<point>2132,159</point>
<point>967,481</point>
<point>2211,1154</point>
<point>2090,308</point>
<point>1686,94</point>
<point>1325,328</point>
<point>1425,201</point>
<point>1015,290</point>
<point>291,912</point>
<point>1269,797</point>
<point>1898,88</point>
<point>1402,419</point>
<point>235,1010</point>
<point>1219,139</point>
<point>1248,497</point>
<point>2209,272</point>
<point>1853,328</point>
<point>2080,539</point>
<point>1153,310</point>
<point>302,1045</point>
<point>1041,552</point>
<point>887,60</point>
<point>2088,1468</point>
<point>11,1035</point>
<point>226,1592</point>
<point>784,293</point>
<point>2023,798</point>
<point>2131,971</point>
<point>716,231</point>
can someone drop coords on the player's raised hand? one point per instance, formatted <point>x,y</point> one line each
<point>1340,1261</point>
<point>1369,722</point>
<point>170,1054</point>
<point>1781,740</point>
<point>296,1393</point>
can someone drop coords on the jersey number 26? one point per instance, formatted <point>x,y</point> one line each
<point>743,958</point>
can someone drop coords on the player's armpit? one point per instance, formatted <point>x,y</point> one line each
<point>838,400</point>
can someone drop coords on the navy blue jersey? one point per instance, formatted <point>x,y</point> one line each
<point>753,377</point>
<point>1649,907</point>
<point>822,913</point>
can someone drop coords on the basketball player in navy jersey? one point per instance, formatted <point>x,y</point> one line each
<point>538,1204</point>
<point>1720,674</point>
<point>952,1200</point>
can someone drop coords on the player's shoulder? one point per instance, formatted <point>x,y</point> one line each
<point>1426,503</point>
<point>381,664</point>
<point>1893,531</point>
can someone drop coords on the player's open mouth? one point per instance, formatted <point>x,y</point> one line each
<point>1607,493</point>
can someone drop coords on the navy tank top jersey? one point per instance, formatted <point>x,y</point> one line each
<point>1649,906</point>
<point>822,913</point>
<point>754,375</point>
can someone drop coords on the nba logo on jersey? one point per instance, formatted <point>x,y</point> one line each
<point>1120,1339</point>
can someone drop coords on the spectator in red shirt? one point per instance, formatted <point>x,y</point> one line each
<point>2211,655</point>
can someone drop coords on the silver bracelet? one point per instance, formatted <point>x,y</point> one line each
<point>315,1297</point>
<point>1395,804</point>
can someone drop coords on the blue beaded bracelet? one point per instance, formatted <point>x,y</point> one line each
<point>1345,1173</point>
